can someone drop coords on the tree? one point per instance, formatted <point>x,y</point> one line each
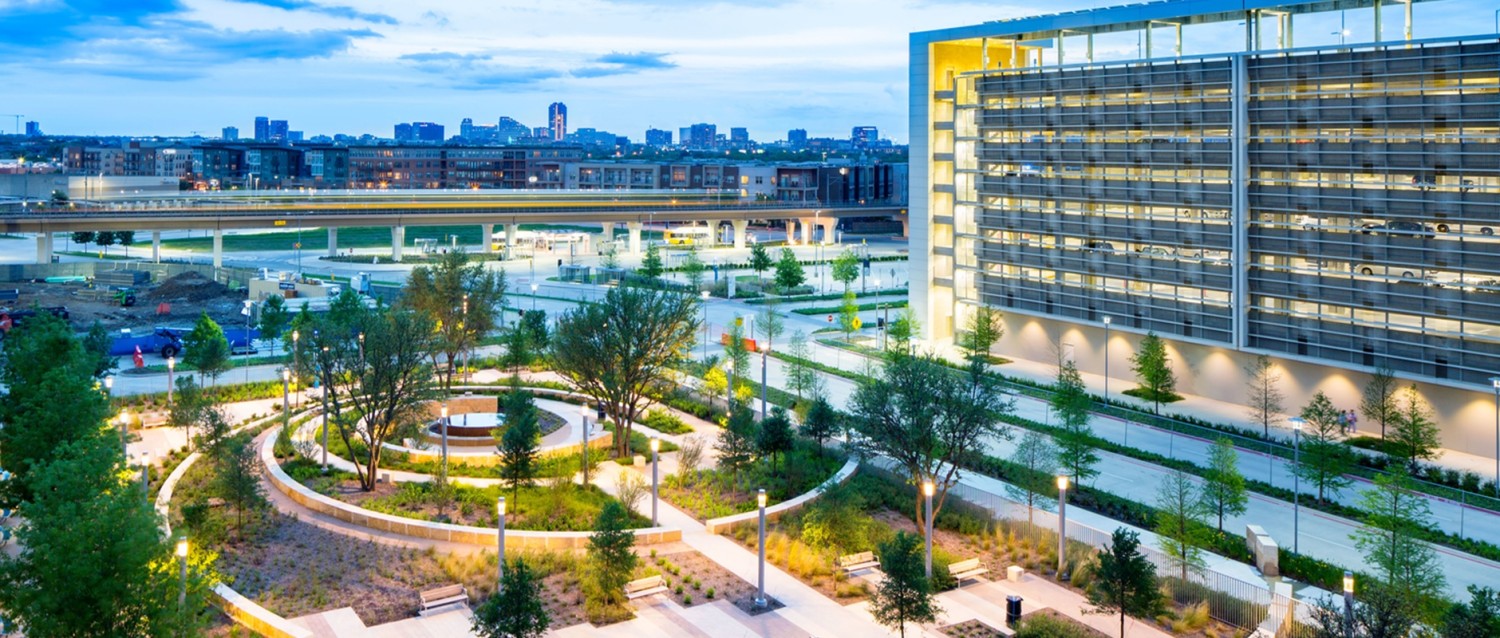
<point>1413,429</point>
<point>45,406</point>
<point>237,476</point>
<point>905,594</point>
<point>736,444</point>
<point>1325,457</point>
<point>104,239</point>
<point>821,422</point>
<point>651,266</point>
<point>518,350</point>
<point>984,328</point>
<point>769,323</point>
<point>616,350</point>
<point>760,261</point>
<point>1038,457</point>
<point>96,343</point>
<point>610,559</point>
<point>1394,515</point>
<point>519,444</point>
<point>800,375</point>
<point>125,238</point>
<point>715,383</point>
<point>789,272</point>
<point>1377,614</point>
<point>1153,370</point>
<point>1124,580</point>
<point>849,316</point>
<point>775,436</point>
<point>205,348</point>
<point>516,610</point>
<point>274,318</point>
<point>1181,522</point>
<point>1378,402</point>
<point>903,330</point>
<point>927,418</point>
<point>693,268</point>
<point>190,406</point>
<point>1075,446</point>
<point>83,237</point>
<point>1480,618</point>
<point>375,366</point>
<point>1223,485</point>
<point>1265,397</point>
<point>738,354</point>
<point>845,268</point>
<point>460,300</point>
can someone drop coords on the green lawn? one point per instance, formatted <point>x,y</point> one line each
<point>316,239</point>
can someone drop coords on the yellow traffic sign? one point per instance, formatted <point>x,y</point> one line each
<point>858,323</point>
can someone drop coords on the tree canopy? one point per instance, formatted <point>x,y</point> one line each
<point>905,594</point>
<point>1124,580</point>
<point>461,300</point>
<point>205,348</point>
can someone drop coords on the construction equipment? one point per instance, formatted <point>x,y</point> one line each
<point>125,297</point>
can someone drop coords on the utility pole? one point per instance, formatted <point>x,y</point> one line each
<point>18,121</point>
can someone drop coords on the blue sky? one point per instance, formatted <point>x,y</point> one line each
<point>172,67</point>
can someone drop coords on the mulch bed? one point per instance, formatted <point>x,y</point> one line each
<point>705,575</point>
<point>972,628</point>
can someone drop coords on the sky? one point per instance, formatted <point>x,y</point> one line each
<point>176,67</point>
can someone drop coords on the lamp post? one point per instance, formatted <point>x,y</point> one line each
<point>171,365</point>
<point>296,334</point>
<point>927,490</point>
<point>286,398</point>
<point>444,424</point>
<point>760,583</point>
<point>325,416</point>
<point>764,355</point>
<point>879,309</point>
<point>1495,381</point>
<point>533,297</point>
<point>704,296</point>
<point>583,410</point>
<point>729,366</point>
<point>1062,523</point>
<point>1297,423</point>
<point>500,534</point>
<point>1348,605</point>
<point>182,552</point>
<point>655,449</point>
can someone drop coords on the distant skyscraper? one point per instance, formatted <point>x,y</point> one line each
<point>658,138</point>
<point>230,133</point>
<point>294,136</point>
<point>466,128</point>
<point>427,132</point>
<point>557,118</point>
<point>739,136</point>
<point>262,128</point>
<point>541,133</point>
<point>702,135</point>
<point>278,131</point>
<point>684,134</point>
<point>403,132</point>
<point>507,129</point>
<point>796,138</point>
<point>33,129</point>
<point>863,136</point>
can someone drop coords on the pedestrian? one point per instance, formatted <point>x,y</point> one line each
<point>1353,420</point>
<point>1343,422</point>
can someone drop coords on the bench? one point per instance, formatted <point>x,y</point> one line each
<point>966,569</point>
<point>857,562</point>
<point>4,536</point>
<point>645,587</point>
<point>441,598</point>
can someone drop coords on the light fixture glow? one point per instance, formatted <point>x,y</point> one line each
<point>182,548</point>
<point>760,497</point>
<point>1062,482</point>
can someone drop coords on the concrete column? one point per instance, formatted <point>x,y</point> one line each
<point>739,231</point>
<point>713,231</point>
<point>791,231</point>
<point>829,226</point>
<point>807,232</point>
<point>635,237</point>
<point>510,238</point>
<point>218,248</point>
<point>486,231</point>
<point>44,248</point>
<point>333,242</point>
<point>606,236</point>
<point>398,241</point>
<point>156,246</point>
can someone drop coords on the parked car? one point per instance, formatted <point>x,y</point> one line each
<point>1406,229</point>
<point>1465,229</point>
<point>1404,272</point>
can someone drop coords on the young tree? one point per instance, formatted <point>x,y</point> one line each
<point>516,610</point>
<point>789,272</point>
<point>1071,403</point>
<point>96,343</point>
<point>737,352</point>
<point>1394,514</point>
<point>1181,522</point>
<point>760,261</point>
<point>1038,456</point>
<point>849,321</point>
<point>903,331</point>
<point>716,384</point>
<point>845,268</point>
<point>237,477</point>
<point>821,423</point>
<point>927,418</point>
<point>205,348</point>
<point>104,239</point>
<point>651,266</point>
<point>1223,485</point>
<point>1153,369</point>
<point>905,595</point>
<point>615,351</point>
<point>800,376</point>
<point>518,348</point>
<point>520,443</point>
<point>1325,456</point>
<point>1265,397</point>
<point>610,560</point>
<point>693,268</point>
<point>983,329</point>
<point>460,300</point>
<point>274,318</point>
<point>1413,429</point>
<point>1480,618</point>
<point>1124,580</point>
<point>736,444</point>
<point>1377,614</point>
<point>769,324</point>
<point>775,436</point>
<point>1378,403</point>
<point>190,406</point>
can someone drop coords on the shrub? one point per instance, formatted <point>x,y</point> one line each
<point>1045,626</point>
<point>710,593</point>
<point>665,422</point>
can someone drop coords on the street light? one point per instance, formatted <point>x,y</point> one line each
<point>325,416</point>
<point>704,296</point>
<point>182,552</point>
<point>655,448</point>
<point>729,366</point>
<point>171,365</point>
<point>1062,523</point>
<point>286,402</point>
<point>760,583</point>
<point>927,490</point>
<point>1297,423</point>
<point>1496,382</point>
<point>885,316</point>
<point>500,533</point>
<point>444,424</point>
<point>1348,605</point>
<point>584,411</point>
<point>533,297</point>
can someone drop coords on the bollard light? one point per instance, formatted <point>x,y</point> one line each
<point>182,552</point>
<point>760,583</point>
<point>1062,523</point>
<point>171,366</point>
<point>928,489</point>
<point>1348,605</point>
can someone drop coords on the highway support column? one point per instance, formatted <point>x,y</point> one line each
<point>635,237</point>
<point>510,239</point>
<point>218,248</point>
<point>830,225</point>
<point>44,248</point>
<point>606,237</point>
<point>713,231</point>
<point>740,226</point>
<point>156,246</point>
<point>333,242</point>
<point>486,232</point>
<point>398,241</point>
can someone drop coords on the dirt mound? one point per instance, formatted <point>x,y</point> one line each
<point>188,286</point>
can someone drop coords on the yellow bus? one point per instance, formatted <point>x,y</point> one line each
<point>689,235</point>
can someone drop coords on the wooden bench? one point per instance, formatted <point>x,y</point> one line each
<point>434,600</point>
<point>857,562</point>
<point>966,569</point>
<point>645,587</point>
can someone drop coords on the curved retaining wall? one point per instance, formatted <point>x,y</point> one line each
<point>483,536</point>
<point>491,458</point>
<point>723,523</point>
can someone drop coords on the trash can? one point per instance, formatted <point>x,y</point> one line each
<point>1012,610</point>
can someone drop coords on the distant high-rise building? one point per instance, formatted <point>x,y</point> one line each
<point>230,134</point>
<point>403,132</point>
<point>541,133</point>
<point>863,136</point>
<point>262,128</point>
<point>427,132</point>
<point>466,128</point>
<point>658,138</point>
<point>739,137</point>
<point>508,130</point>
<point>294,136</point>
<point>796,138</point>
<point>701,136</point>
<point>557,118</point>
<point>684,134</point>
<point>278,131</point>
<point>33,129</point>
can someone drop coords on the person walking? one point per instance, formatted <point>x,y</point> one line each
<point>1353,420</point>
